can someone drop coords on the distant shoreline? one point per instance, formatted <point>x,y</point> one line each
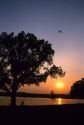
<point>35,95</point>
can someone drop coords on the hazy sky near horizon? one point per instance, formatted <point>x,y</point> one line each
<point>45,18</point>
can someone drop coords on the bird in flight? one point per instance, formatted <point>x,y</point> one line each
<point>59,31</point>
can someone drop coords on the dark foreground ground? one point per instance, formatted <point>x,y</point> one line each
<point>37,115</point>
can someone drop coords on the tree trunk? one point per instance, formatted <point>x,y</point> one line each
<point>13,98</point>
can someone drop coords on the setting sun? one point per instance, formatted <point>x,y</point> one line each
<point>59,85</point>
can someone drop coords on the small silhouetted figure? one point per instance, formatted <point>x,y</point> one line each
<point>22,103</point>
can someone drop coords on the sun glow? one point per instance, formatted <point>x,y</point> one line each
<point>59,85</point>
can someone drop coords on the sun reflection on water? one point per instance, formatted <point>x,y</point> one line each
<point>59,101</point>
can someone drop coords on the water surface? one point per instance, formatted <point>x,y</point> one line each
<point>40,101</point>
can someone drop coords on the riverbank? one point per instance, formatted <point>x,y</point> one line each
<point>66,114</point>
<point>36,95</point>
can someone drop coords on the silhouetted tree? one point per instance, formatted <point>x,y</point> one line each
<point>24,59</point>
<point>52,93</point>
<point>77,89</point>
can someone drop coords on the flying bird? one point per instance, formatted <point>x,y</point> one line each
<point>59,31</point>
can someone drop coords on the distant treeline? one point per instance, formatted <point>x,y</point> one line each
<point>34,95</point>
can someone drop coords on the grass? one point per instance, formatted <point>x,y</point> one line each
<point>65,114</point>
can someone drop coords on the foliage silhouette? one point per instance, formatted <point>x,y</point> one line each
<point>52,93</point>
<point>77,89</point>
<point>24,59</point>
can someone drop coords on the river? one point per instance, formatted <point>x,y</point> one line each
<point>39,101</point>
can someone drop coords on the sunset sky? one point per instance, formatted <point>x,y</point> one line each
<point>45,18</point>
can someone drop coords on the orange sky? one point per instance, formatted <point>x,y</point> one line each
<point>50,85</point>
<point>73,73</point>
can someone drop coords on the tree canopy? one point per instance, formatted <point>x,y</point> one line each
<point>24,59</point>
<point>77,89</point>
